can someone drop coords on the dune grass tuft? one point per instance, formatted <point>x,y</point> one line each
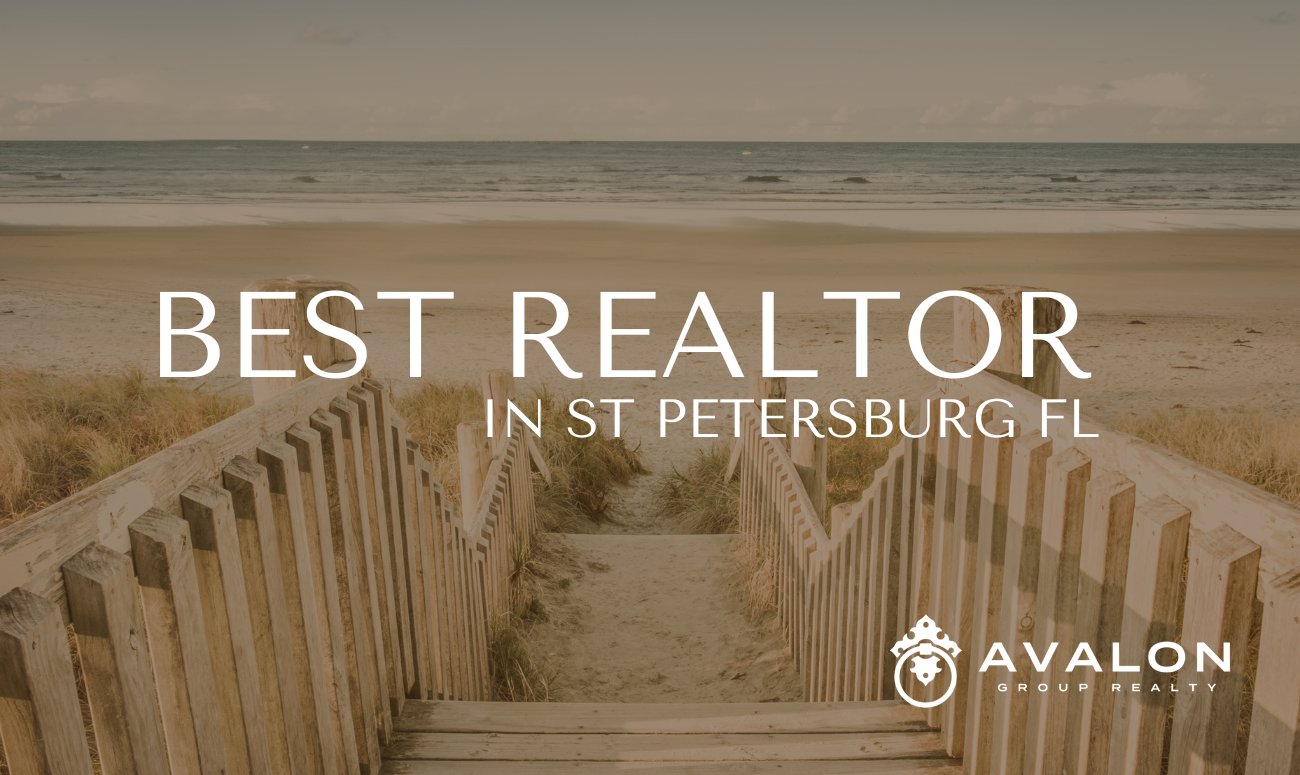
<point>1254,446</point>
<point>59,435</point>
<point>697,498</point>
<point>519,674</point>
<point>432,411</point>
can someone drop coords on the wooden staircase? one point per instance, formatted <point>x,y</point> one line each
<point>478,738</point>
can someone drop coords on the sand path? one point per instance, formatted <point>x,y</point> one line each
<point>654,618</point>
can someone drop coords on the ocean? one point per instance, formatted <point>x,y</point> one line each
<point>1106,185</point>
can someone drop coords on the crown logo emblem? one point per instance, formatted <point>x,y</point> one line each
<point>921,650</point>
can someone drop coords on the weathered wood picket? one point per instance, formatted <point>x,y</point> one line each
<point>1043,539</point>
<point>262,597</point>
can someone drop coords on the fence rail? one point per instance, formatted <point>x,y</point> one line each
<point>259,598</point>
<point>1044,539</point>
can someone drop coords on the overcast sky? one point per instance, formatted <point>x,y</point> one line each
<point>1082,70</point>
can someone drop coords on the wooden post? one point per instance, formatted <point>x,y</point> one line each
<point>808,452</point>
<point>286,352</point>
<point>770,388</point>
<point>499,385</point>
<point>474,452</point>
<point>971,336</point>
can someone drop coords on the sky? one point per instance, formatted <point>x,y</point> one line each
<point>923,70</point>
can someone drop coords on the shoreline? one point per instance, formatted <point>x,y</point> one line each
<point>701,214</point>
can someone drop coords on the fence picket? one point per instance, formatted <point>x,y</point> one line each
<point>250,494</point>
<point>314,492</point>
<point>380,548</point>
<point>105,607</point>
<point>1222,572</point>
<point>1068,473</point>
<point>881,585</point>
<point>995,495</point>
<point>865,632</point>
<point>217,563</point>
<point>1151,601</point>
<point>40,715</point>
<point>1019,592</point>
<point>435,602</point>
<point>356,629</point>
<point>178,644</point>
<point>391,513</point>
<point>1275,719</point>
<point>411,562</point>
<point>301,605</point>
<point>961,613</point>
<point>373,623</point>
<point>1103,568</point>
<point>891,489</point>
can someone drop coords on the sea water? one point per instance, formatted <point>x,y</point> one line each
<point>910,185</point>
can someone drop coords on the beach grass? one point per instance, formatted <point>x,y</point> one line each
<point>61,434</point>
<point>696,497</point>
<point>1259,448</point>
<point>518,673</point>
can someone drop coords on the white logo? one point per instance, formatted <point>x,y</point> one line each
<point>923,648</point>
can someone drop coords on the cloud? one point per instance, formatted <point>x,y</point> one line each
<point>1164,90</point>
<point>1005,112</point>
<point>51,94</point>
<point>49,99</point>
<point>1070,96</point>
<point>34,114</point>
<point>845,114</point>
<point>331,36</point>
<point>1279,18</point>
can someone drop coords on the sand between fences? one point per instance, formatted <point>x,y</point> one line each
<point>655,618</point>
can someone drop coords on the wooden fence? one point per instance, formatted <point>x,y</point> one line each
<point>259,598</point>
<point>1040,539</point>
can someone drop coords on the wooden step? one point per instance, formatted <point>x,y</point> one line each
<point>491,746</point>
<point>886,767</point>
<point>478,738</point>
<point>659,718</point>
